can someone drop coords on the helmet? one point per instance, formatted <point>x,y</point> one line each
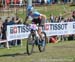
<point>30,8</point>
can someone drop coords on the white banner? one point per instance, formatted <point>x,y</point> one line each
<point>22,31</point>
<point>17,32</point>
<point>62,28</point>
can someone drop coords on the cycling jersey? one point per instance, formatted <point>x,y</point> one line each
<point>33,27</point>
<point>34,15</point>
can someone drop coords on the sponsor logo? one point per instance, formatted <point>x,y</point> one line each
<point>19,29</point>
<point>47,26</point>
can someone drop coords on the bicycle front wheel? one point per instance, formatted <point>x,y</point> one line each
<point>43,43</point>
<point>30,44</point>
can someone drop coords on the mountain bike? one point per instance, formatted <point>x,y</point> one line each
<point>34,40</point>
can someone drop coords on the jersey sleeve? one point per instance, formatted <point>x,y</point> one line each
<point>36,14</point>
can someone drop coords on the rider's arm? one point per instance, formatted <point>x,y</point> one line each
<point>26,19</point>
<point>42,16</point>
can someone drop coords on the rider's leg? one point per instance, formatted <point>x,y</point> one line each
<point>40,32</point>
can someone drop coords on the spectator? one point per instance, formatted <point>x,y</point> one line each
<point>8,21</point>
<point>4,29</point>
<point>11,22</point>
<point>1,26</point>
<point>5,23</point>
<point>70,19</point>
<point>56,19</point>
<point>65,20</point>
<point>60,18</point>
<point>52,18</point>
<point>18,21</point>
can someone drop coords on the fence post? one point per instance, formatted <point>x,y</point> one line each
<point>7,44</point>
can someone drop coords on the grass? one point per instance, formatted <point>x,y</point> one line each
<point>56,10</point>
<point>59,52</point>
<point>47,10</point>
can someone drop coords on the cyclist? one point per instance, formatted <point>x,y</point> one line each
<point>37,18</point>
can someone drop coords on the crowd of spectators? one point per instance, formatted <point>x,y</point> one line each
<point>3,28</point>
<point>60,18</point>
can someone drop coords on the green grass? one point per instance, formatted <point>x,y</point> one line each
<point>52,9</point>
<point>47,10</point>
<point>59,52</point>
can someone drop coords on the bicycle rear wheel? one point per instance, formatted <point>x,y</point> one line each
<point>43,43</point>
<point>30,44</point>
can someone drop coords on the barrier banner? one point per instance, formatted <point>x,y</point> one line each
<point>17,32</point>
<point>51,29</point>
<point>62,28</point>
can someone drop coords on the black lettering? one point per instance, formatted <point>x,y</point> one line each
<point>19,29</point>
<point>11,30</point>
<point>74,25</point>
<point>58,26</point>
<point>23,29</point>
